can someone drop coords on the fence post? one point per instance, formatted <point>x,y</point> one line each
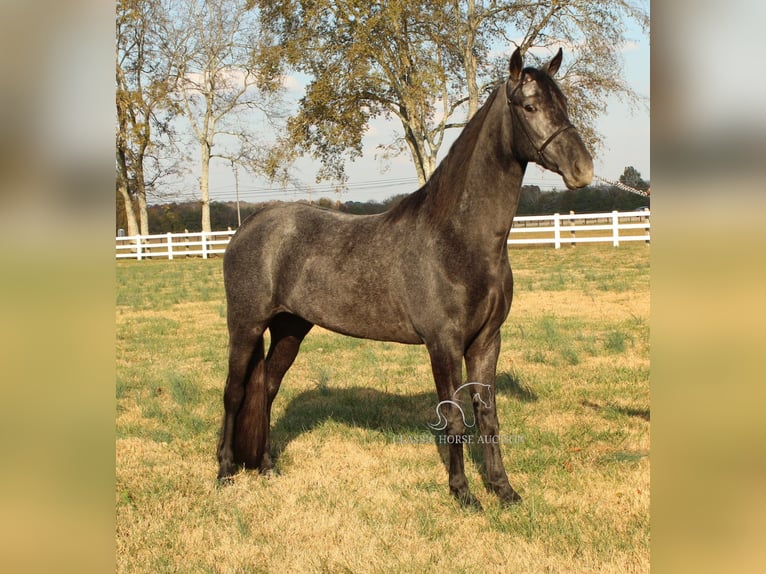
<point>572,223</point>
<point>170,246</point>
<point>556,231</point>
<point>615,229</point>
<point>646,221</point>
<point>204,245</point>
<point>138,247</point>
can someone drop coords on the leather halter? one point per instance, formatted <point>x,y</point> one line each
<point>509,97</point>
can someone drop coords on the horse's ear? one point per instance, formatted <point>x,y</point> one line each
<point>516,65</point>
<point>553,65</point>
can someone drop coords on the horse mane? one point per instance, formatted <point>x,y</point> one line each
<point>437,196</point>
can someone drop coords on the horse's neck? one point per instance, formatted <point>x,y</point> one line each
<point>486,179</point>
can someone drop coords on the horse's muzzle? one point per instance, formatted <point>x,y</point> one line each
<point>581,173</point>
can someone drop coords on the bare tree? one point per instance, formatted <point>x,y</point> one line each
<point>224,67</point>
<point>144,137</point>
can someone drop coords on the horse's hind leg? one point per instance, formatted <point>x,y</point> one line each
<point>245,363</point>
<point>287,333</point>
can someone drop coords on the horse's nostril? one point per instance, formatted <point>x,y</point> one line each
<point>583,170</point>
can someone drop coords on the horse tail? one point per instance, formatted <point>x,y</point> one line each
<point>252,420</point>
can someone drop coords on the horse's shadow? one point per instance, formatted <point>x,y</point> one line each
<point>399,417</point>
<point>356,407</point>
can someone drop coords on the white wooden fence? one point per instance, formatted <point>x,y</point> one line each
<point>172,245</point>
<point>572,228</point>
<point>557,230</point>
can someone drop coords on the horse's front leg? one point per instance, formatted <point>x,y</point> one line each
<point>481,363</point>
<point>446,362</point>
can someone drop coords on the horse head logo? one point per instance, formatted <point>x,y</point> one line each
<point>441,423</point>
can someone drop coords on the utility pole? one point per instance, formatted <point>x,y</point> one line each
<point>236,189</point>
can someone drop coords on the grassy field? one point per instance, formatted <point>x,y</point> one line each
<point>360,487</point>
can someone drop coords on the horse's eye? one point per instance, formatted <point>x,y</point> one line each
<point>530,108</point>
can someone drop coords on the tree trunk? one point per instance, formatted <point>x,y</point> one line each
<point>467,42</point>
<point>423,156</point>
<point>418,158</point>
<point>130,214</point>
<point>122,188</point>
<point>427,164</point>
<point>143,215</point>
<point>203,186</point>
<point>469,59</point>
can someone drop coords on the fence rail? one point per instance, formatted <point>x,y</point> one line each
<point>557,229</point>
<point>171,245</point>
<point>572,228</point>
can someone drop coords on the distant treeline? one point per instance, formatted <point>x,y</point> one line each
<point>591,199</point>
<point>180,217</point>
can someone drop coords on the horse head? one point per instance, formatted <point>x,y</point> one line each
<point>546,136</point>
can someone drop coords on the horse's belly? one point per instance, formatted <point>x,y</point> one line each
<point>362,317</point>
<point>359,305</point>
<point>379,332</point>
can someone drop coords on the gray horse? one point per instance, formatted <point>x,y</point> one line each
<point>432,270</point>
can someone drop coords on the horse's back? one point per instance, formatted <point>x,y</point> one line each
<point>339,271</point>
<point>278,236</point>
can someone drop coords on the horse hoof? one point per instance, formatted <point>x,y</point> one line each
<point>511,497</point>
<point>225,473</point>
<point>271,472</point>
<point>267,467</point>
<point>505,493</point>
<point>224,481</point>
<point>468,500</point>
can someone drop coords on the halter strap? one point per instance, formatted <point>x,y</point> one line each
<point>552,137</point>
<point>548,140</point>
